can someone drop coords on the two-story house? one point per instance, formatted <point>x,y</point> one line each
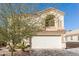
<point>52,35</point>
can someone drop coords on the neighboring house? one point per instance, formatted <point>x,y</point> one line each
<point>72,39</point>
<point>72,36</point>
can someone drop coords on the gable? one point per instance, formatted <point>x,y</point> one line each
<point>58,20</point>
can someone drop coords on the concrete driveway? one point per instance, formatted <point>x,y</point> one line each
<point>74,50</point>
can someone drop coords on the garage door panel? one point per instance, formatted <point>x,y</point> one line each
<point>46,42</point>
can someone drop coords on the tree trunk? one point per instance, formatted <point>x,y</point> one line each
<point>12,53</point>
<point>11,49</point>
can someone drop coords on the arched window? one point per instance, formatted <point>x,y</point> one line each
<point>49,21</point>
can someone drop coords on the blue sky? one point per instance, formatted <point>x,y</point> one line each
<point>71,10</point>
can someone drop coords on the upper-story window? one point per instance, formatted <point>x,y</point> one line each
<point>49,21</point>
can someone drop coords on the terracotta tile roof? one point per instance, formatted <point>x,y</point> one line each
<point>47,11</point>
<point>51,9</point>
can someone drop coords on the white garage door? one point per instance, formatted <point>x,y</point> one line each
<point>46,42</point>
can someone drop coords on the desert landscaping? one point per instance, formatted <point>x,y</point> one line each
<point>42,52</point>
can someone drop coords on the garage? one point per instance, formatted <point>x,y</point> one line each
<point>46,42</point>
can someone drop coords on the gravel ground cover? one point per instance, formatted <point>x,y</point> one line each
<point>42,52</point>
<point>53,53</point>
